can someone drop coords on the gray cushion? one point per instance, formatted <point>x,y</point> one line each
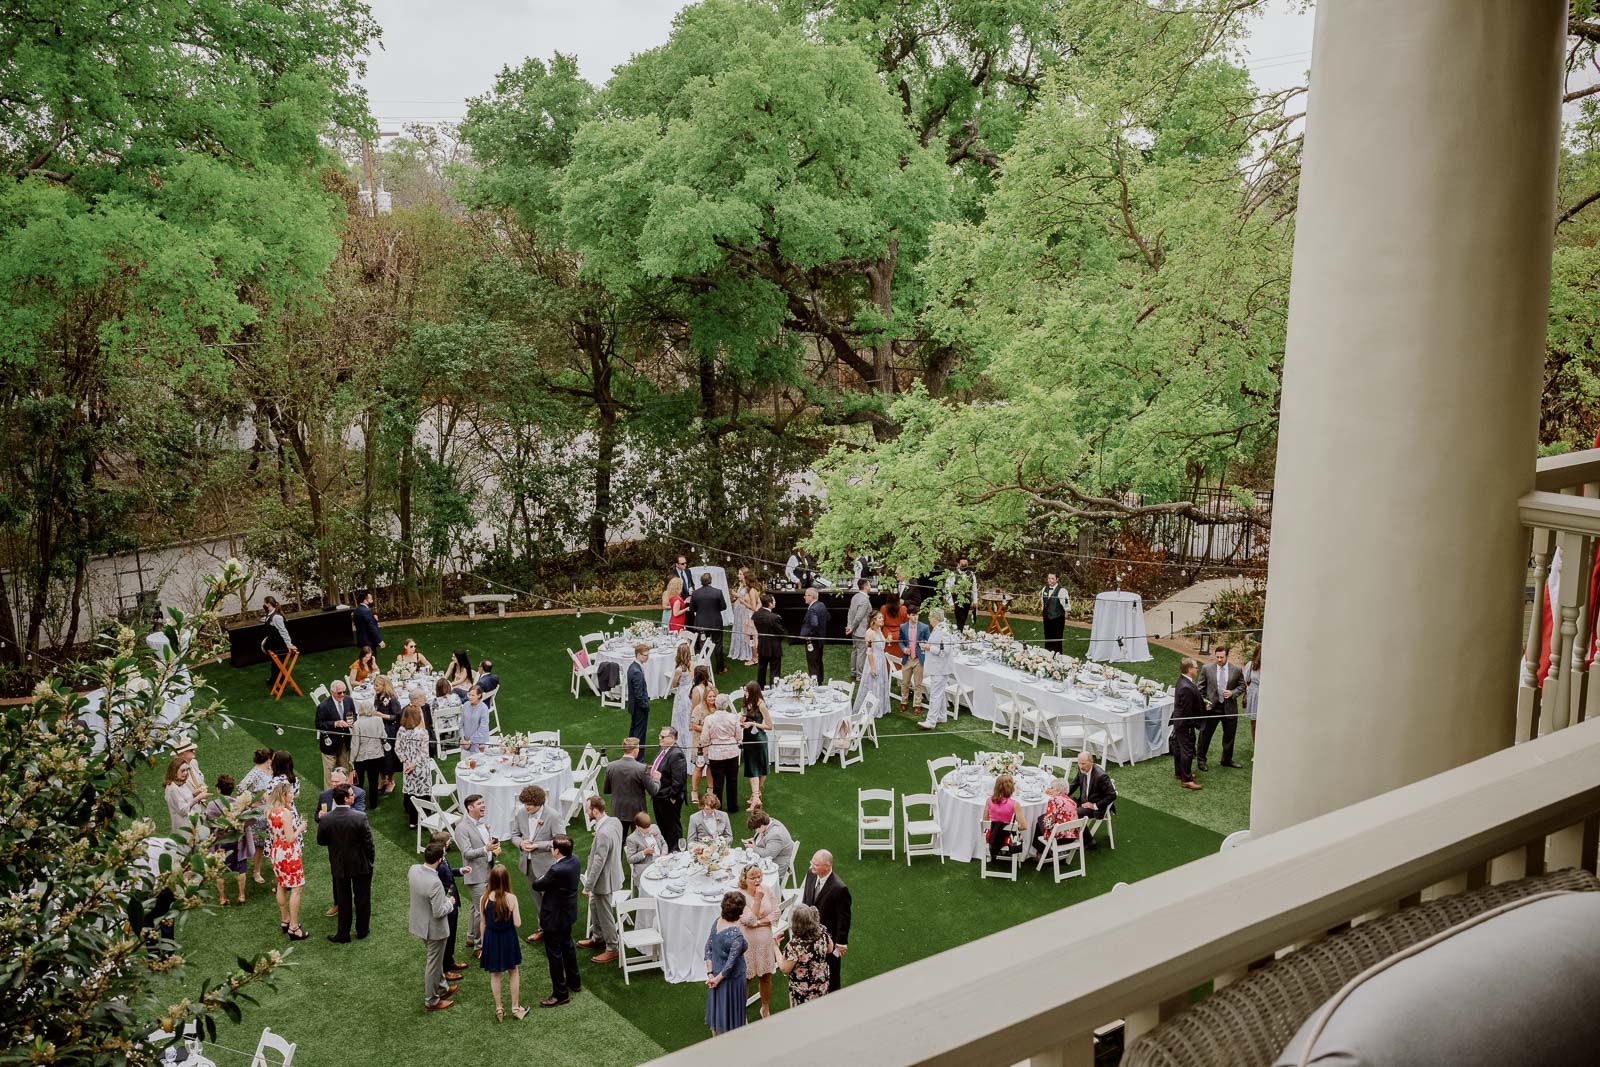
<point>1522,987</point>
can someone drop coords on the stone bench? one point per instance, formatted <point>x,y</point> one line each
<point>499,600</point>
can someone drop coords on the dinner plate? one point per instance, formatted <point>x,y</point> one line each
<point>655,874</point>
<point>671,893</point>
<point>966,794</point>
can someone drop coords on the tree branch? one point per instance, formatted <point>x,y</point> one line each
<point>1579,206</point>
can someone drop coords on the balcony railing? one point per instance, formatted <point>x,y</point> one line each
<point>1041,991</point>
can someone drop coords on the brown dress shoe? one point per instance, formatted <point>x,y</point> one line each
<point>1193,785</point>
<point>451,991</point>
<point>536,937</point>
<point>457,965</point>
<point>441,1006</point>
<point>604,957</point>
<point>552,1002</point>
<point>452,976</point>
<point>588,942</point>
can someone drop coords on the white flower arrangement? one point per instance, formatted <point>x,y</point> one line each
<point>403,672</point>
<point>709,852</point>
<point>1148,690</point>
<point>998,763</point>
<point>1108,672</point>
<point>642,630</point>
<point>798,683</point>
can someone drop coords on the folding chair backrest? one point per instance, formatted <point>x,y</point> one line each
<point>319,694</point>
<point>271,1042</point>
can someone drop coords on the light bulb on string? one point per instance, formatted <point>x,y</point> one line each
<point>280,731</point>
<point>611,621</point>
<point>547,605</point>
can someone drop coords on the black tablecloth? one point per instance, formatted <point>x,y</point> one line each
<point>311,631</point>
<point>791,607</point>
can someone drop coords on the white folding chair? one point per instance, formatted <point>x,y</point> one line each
<point>617,695</point>
<point>943,763</point>
<point>700,647</point>
<point>639,946</point>
<point>442,789</point>
<point>1105,739</point>
<point>928,828</point>
<point>1008,865</point>
<point>958,696</point>
<point>1105,821</point>
<point>319,694</point>
<point>787,900</point>
<point>589,788</point>
<point>596,639</point>
<point>431,818</point>
<point>849,748</point>
<point>842,686</point>
<point>791,882</point>
<point>897,685</point>
<point>874,833</point>
<point>271,1042</point>
<point>789,740</point>
<point>545,737</point>
<point>586,673</point>
<point>869,723</point>
<point>1057,848</point>
<point>1005,714</point>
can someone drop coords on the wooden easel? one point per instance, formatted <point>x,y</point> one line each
<point>285,673</point>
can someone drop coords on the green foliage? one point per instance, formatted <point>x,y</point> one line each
<point>82,969</point>
<point>1235,612</point>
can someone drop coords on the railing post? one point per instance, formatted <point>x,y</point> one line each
<point>1543,541</point>
<point>1564,617</point>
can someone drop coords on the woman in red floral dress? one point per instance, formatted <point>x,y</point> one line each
<point>287,830</point>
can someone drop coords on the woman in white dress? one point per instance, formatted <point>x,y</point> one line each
<point>682,681</point>
<point>739,647</point>
<point>1252,688</point>
<point>875,679</point>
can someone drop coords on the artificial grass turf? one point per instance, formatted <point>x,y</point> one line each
<point>364,998</point>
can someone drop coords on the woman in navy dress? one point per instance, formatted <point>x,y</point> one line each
<point>502,950</point>
<point>725,967</point>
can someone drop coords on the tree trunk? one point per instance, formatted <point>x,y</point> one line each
<point>593,340</point>
<point>369,457</point>
<point>75,604</point>
<point>408,556</point>
<point>9,652</point>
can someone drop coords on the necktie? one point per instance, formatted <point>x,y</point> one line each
<point>659,757</point>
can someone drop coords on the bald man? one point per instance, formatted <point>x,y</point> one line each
<point>825,891</point>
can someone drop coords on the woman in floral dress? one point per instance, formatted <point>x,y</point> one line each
<point>411,745</point>
<point>284,853</point>
<point>805,956</point>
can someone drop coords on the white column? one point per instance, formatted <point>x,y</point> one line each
<point>1410,397</point>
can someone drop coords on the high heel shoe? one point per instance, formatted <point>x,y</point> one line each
<point>297,934</point>
<point>284,927</point>
<point>519,1013</point>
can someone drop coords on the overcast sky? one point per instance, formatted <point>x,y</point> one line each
<point>436,53</point>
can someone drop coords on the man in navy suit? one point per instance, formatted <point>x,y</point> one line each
<point>557,912</point>
<point>914,643</point>
<point>367,633</point>
<point>638,692</point>
<point>814,631</point>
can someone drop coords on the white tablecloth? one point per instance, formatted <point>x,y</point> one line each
<point>818,717</point>
<point>504,782</point>
<point>363,694</point>
<point>1137,732</point>
<point>1118,634</point>
<point>961,822</point>
<point>658,671</point>
<point>686,921</point>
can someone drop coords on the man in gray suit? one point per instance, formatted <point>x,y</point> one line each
<point>603,878</point>
<point>1220,683</point>
<point>855,627</point>
<point>478,848</point>
<point>643,847</point>
<point>628,781</point>
<point>533,833</point>
<point>430,920</point>
<point>772,841</point>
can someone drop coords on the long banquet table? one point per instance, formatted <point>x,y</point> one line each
<point>1137,732</point>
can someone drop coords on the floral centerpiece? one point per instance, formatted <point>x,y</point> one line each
<point>403,672</point>
<point>1108,672</point>
<point>799,683</point>
<point>998,763</point>
<point>642,630</point>
<point>1148,690</point>
<point>1060,668</point>
<point>709,852</point>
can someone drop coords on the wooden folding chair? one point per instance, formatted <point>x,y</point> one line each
<point>285,673</point>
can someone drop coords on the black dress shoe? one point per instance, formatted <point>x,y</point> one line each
<point>1202,766</point>
<point>1235,766</point>
<point>337,940</point>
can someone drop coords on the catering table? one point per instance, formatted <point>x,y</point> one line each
<point>658,671</point>
<point>311,631</point>
<point>962,796</point>
<point>499,782</point>
<point>1137,732</point>
<point>819,714</point>
<point>1118,634</point>
<point>686,919</point>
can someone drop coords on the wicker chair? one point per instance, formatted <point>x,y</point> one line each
<point>1248,1023</point>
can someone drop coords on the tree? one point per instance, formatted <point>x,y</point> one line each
<point>1124,291</point>
<point>83,957</point>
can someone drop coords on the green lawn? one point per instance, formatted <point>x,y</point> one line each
<point>340,1000</point>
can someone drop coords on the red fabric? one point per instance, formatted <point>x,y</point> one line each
<point>1544,641</point>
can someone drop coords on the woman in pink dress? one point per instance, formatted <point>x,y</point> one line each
<point>287,830</point>
<point>760,912</point>
<point>999,812</point>
<point>677,607</point>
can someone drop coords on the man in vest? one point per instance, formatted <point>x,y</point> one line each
<point>1054,603</point>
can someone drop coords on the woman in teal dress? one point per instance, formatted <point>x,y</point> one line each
<point>725,980</point>
<point>757,756</point>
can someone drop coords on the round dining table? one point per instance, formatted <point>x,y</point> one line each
<point>658,671</point>
<point>499,778</point>
<point>818,713</point>
<point>688,902</point>
<point>965,791</point>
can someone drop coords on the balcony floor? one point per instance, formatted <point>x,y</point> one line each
<point>336,998</point>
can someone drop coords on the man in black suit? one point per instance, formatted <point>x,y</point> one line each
<point>347,836</point>
<point>669,771</point>
<point>825,891</point>
<point>558,910</point>
<point>1091,787</point>
<point>638,692</point>
<point>1188,712</point>
<point>335,715</point>
<point>1220,686</point>
<point>815,632</point>
<point>367,633</point>
<point>706,606</point>
<point>770,633</point>
<point>680,571</point>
